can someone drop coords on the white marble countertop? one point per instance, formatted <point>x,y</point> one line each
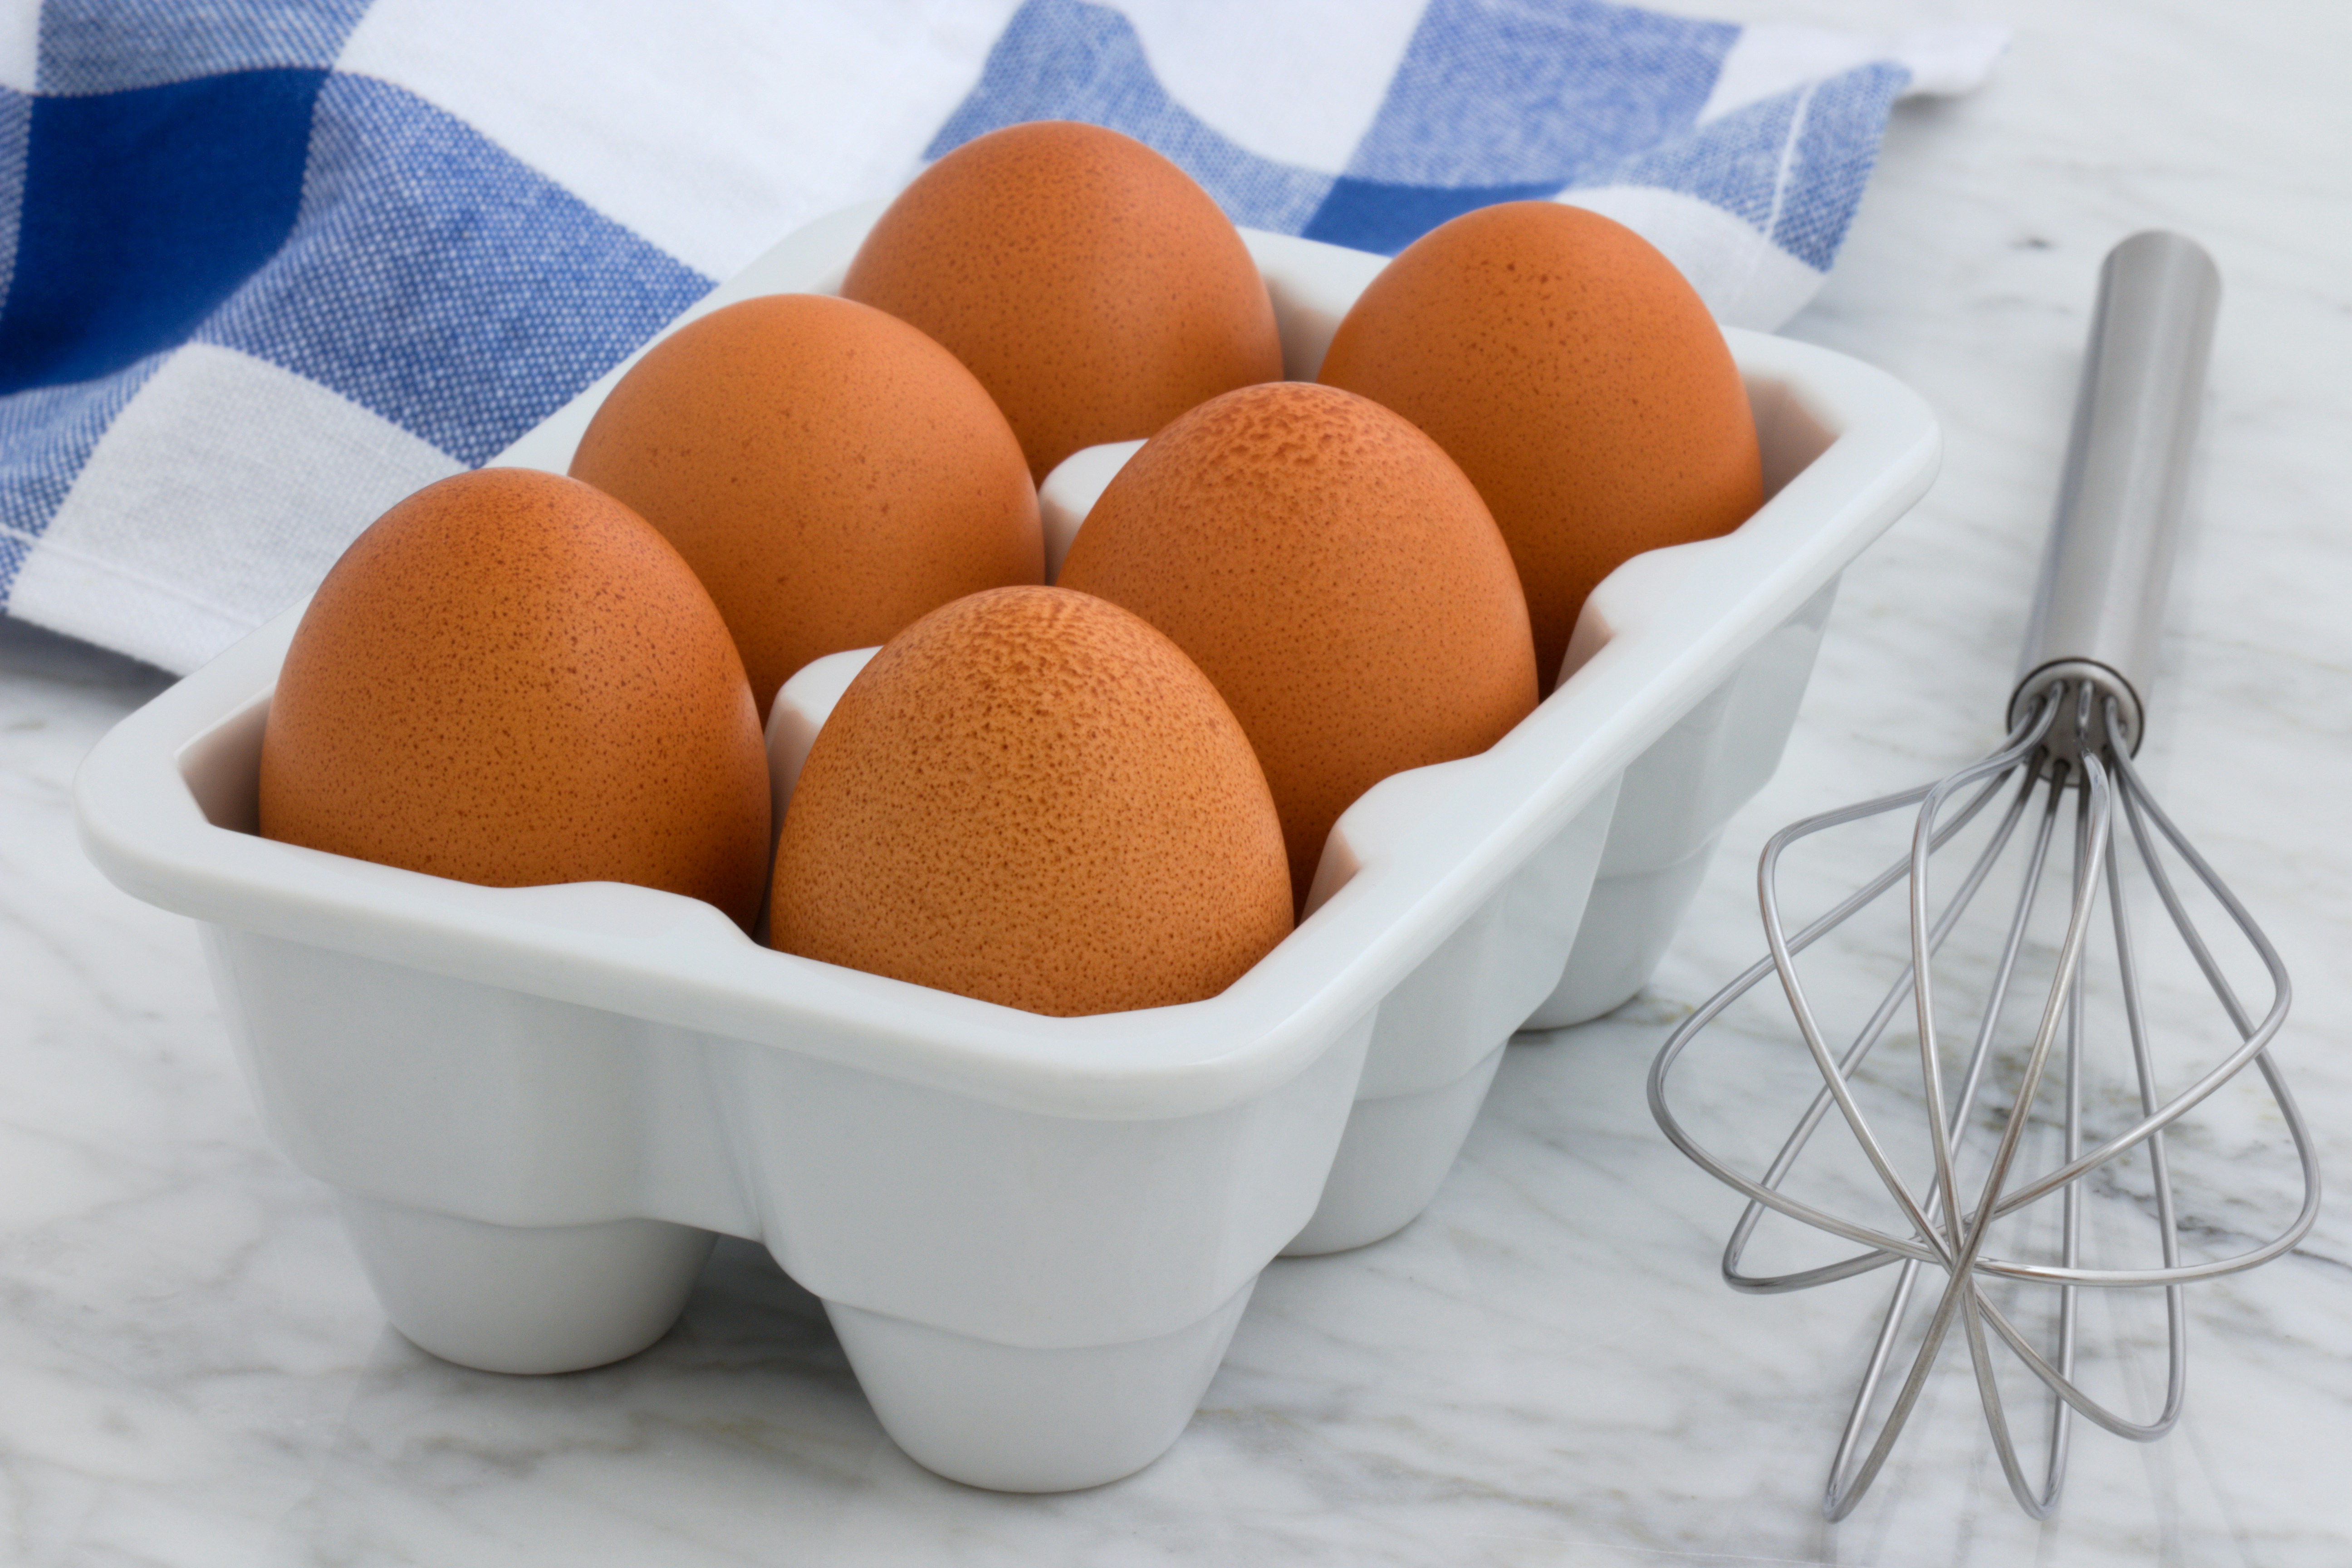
<point>1545,1369</point>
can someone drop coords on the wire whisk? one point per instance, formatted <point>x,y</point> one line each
<point>2077,722</point>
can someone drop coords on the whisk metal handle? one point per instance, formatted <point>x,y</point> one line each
<point>2098,612</point>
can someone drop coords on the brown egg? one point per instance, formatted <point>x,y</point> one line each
<point>1330,570</point>
<point>1032,797</point>
<point>829,472</point>
<point>1577,380</point>
<point>1094,288</point>
<point>509,679</point>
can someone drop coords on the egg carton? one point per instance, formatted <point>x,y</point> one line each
<point>1034,1235</point>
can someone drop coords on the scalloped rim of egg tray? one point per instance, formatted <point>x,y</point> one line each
<point>1034,1235</point>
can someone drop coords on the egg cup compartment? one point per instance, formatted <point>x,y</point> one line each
<point>1034,1235</point>
<point>1672,809</point>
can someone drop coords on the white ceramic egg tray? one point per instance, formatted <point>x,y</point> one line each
<point>1034,1236</point>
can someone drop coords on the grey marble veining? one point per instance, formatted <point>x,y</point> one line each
<point>1546,1369</point>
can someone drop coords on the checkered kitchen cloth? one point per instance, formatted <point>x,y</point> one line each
<point>270,265</point>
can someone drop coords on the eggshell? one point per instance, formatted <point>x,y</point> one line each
<point>1094,288</point>
<point>1032,797</point>
<point>1335,575</point>
<point>829,472</point>
<point>1578,381</point>
<point>510,678</point>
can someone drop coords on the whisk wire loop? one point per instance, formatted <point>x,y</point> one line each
<point>1885,1247</point>
<point>1863,1042</point>
<point>1960,1286</point>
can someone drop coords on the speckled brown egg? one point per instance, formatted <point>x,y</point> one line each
<point>1094,288</point>
<point>829,472</point>
<point>510,678</point>
<point>1577,380</point>
<point>1032,797</point>
<point>1335,575</point>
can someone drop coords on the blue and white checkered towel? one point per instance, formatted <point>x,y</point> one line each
<point>270,265</point>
